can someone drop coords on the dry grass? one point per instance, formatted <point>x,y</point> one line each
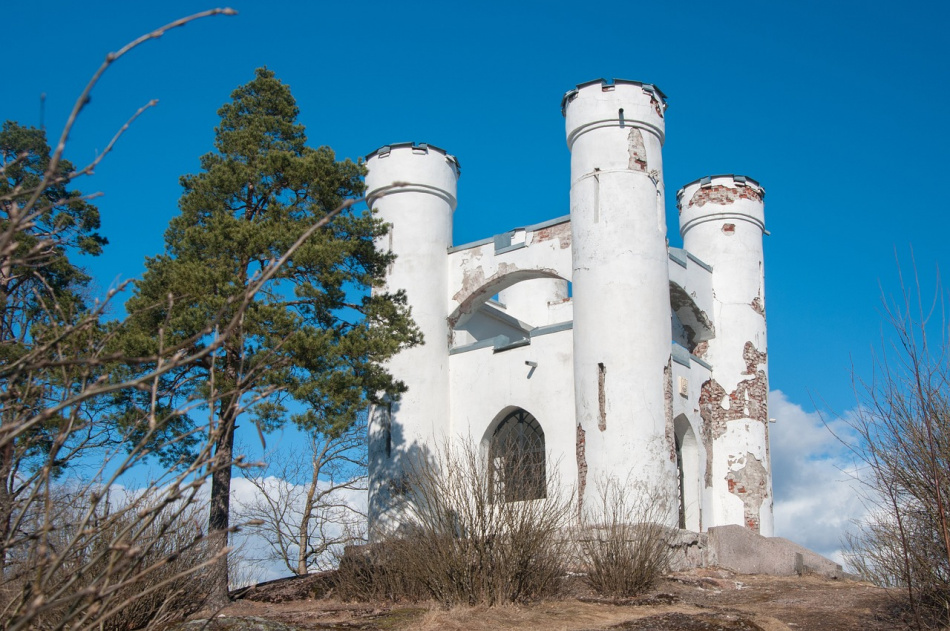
<point>708,599</point>
<point>555,615</point>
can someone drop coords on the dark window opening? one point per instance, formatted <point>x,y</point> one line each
<point>681,481</point>
<point>517,459</point>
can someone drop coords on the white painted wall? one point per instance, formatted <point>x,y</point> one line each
<point>489,321</point>
<point>477,273</point>
<point>532,300</point>
<point>686,408</point>
<point>485,383</point>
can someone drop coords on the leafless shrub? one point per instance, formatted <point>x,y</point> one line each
<point>380,571</point>
<point>75,558</point>
<point>624,543</point>
<point>902,429</point>
<point>163,554</point>
<point>461,543</point>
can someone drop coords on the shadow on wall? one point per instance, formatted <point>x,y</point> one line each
<point>391,463</point>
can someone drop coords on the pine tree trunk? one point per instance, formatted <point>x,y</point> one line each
<point>7,500</point>
<point>219,513</point>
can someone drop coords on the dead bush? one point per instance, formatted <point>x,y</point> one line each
<point>461,543</point>
<point>116,568</point>
<point>901,434</point>
<point>904,554</point>
<point>624,544</point>
<point>379,571</point>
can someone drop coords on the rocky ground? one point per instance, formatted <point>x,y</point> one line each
<point>699,600</point>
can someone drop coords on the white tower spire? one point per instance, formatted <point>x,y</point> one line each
<point>413,188</point>
<point>622,373</point>
<point>722,221</point>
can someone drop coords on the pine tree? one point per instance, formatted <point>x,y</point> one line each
<point>42,295</point>
<point>309,347</point>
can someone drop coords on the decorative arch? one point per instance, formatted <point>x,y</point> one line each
<point>470,298</point>
<point>517,457</point>
<point>687,465</point>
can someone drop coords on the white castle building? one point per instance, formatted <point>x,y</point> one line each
<point>585,341</point>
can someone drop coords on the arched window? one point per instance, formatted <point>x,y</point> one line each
<point>517,459</point>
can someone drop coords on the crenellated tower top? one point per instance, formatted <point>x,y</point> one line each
<point>616,103</point>
<point>721,198</point>
<point>408,167</point>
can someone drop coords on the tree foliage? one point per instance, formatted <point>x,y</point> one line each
<point>310,342</point>
<point>42,223</point>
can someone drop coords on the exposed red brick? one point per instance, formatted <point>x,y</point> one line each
<point>637,151</point>
<point>723,195</point>
<point>668,408</point>
<point>750,483</point>
<point>753,358</point>
<point>655,102</point>
<point>701,349</point>
<point>748,400</point>
<point>729,229</point>
<point>561,231</point>
<point>581,452</point>
<point>602,397</point>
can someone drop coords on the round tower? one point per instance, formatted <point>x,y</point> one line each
<point>622,375</point>
<point>535,301</point>
<point>413,188</point>
<point>722,222</point>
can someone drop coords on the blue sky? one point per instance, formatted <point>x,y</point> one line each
<point>837,107</point>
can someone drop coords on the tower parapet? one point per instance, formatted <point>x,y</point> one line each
<point>722,221</point>
<point>613,103</point>
<point>726,195</point>
<point>416,168</point>
<point>413,187</point>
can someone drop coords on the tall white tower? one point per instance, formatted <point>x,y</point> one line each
<point>722,221</point>
<point>615,132</point>
<point>413,188</point>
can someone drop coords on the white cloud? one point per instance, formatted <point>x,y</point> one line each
<point>817,495</point>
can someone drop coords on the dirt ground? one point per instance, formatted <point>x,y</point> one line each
<point>699,600</point>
